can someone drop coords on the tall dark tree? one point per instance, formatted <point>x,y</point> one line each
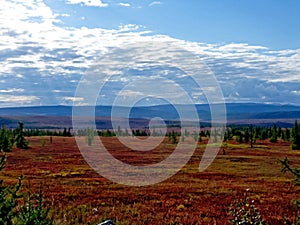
<point>20,137</point>
<point>5,140</point>
<point>174,138</point>
<point>65,134</point>
<point>229,134</point>
<point>215,135</point>
<point>295,144</point>
<point>274,133</point>
<point>247,136</point>
<point>263,134</point>
<point>287,134</point>
<point>252,136</point>
<point>239,136</point>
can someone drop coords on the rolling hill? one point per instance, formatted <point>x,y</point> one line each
<point>237,113</point>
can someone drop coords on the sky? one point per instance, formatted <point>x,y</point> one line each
<point>48,48</point>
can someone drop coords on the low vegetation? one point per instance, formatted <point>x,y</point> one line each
<point>244,212</point>
<point>76,194</point>
<point>286,167</point>
<point>18,208</point>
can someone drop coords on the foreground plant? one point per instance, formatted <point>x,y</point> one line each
<point>8,199</point>
<point>286,167</point>
<point>244,212</point>
<point>12,213</point>
<point>33,212</point>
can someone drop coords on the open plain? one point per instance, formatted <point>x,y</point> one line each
<point>76,194</point>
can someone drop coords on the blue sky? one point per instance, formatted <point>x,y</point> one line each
<point>47,47</point>
<point>268,23</point>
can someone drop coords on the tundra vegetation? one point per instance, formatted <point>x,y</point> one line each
<point>254,179</point>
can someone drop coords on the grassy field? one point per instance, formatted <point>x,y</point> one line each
<point>78,195</point>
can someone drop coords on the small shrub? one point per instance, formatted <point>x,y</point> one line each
<point>244,212</point>
<point>286,167</point>
<point>43,142</point>
<point>90,134</point>
<point>8,199</point>
<point>34,212</point>
<point>8,203</point>
<point>11,210</point>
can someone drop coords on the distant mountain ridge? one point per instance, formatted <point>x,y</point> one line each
<point>236,113</point>
<point>242,110</point>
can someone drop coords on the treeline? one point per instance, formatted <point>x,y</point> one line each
<point>246,134</point>
<point>42,132</point>
<point>241,134</point>
<point>11,137</point>
<point>250,134</point>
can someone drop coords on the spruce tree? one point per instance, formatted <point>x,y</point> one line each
<point>20,137</point>
<point>247,136</point>
<point>12,212</point>
<point>5,140</point>
<point>287,134</point>
<point>252,136</point>
<point>295,145</point>
<point>273,138</point>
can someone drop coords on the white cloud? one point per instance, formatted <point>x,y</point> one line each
<point>129,93</point>
<point>73,99</point>
<point>77,101</point>
<point>240,48</point>
<point>129,27</point>
<point>33,47</point>
<point>12,90</point>
<point>124,4</point>
<point>96,3</point>
<point>59,91</point>
<point>155,3</point>
<point>21,99</point>
<point>296,92</point>
<point>65,15</point>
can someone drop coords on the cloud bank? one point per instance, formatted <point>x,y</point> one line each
<point>96,3</point>
<point>43,61</point>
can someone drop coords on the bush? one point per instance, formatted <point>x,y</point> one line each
<point>244,212</point>
<point>33,211</point>
<point>90,134</point>
<point>8,199</point>
<point>286,167</point>
<point>12,213</point>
